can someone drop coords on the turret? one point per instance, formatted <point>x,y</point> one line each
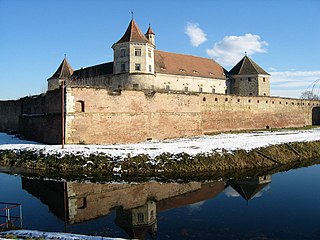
<point>63,72</point>
<point>150,35</point>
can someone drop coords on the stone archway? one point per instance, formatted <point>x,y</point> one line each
<point>316,116</point>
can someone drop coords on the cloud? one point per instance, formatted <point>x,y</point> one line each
<point>230,192</point>
<point>196,206</point>
<point>293,83</point>
<point>195,33</point>
<point>232,48</point>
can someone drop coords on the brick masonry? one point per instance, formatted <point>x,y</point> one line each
<point>134,117</point>
<point>94,115</point>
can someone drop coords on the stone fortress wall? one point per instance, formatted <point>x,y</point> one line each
<point>96,115</point>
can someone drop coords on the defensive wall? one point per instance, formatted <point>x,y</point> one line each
<point>96,115</point>
<point>34,117</point>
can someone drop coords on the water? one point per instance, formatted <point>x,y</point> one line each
<point>280,206</point>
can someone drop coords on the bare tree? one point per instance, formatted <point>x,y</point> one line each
<point>309,95</point>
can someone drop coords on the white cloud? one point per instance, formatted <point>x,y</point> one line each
<point>232,48</point>
<point>230,192</point>
<point>196,206</point>
<point>293,83</point>
<point>195,33</point>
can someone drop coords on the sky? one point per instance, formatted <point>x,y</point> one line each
<point>283,37</point>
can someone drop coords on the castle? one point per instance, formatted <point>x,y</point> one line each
<point>147,94</point>
<point>138,65</point>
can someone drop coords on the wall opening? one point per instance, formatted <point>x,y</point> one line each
<point>80,106</point>
<point>316,116</point>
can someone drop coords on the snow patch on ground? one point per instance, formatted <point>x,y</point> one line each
<point>191,146</point>
<point>28,234</point>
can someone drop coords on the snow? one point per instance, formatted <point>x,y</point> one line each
<point>27,234</point>
<point>191,146</point>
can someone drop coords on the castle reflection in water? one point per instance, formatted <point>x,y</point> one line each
<point>136,205</point>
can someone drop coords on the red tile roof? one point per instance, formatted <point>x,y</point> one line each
<point>181,64</point>
<point>133,34</point>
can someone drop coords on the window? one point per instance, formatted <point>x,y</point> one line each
<point>123,67</point>
<point>138,67</point>
<point>135,86</point>
<point>263,79</point>
<point>122,52</point>
<point>264,94</point>
<point>140,217</point>
<point>213,90</point>
<point>150,68</point>
<point>200,89</point>
<point>137,52</point>
<point>167,87</point>
<point>80,106</point>
<point>149,53</point>
<point>249,79</point>
<point>250,94</point>
<point>186,89</point>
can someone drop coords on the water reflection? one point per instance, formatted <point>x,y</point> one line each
<point>136,205</point>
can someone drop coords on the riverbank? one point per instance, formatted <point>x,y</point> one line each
<point>191,156</point>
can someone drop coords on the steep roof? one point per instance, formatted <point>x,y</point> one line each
<point>247,190</point>
<point>133,34</point>
<point>149,31</point>
<point>181,64</point>
<point>93,71</point>
<point>247,66</point>
<point>64,70</point>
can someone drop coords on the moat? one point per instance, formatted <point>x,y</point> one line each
<point>266,205</point>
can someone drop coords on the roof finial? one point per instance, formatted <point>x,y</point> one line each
<point>245,53</point>
<point>132,15</point>
<point>65,55</point>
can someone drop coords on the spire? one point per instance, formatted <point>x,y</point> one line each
<point>149,31</point>
<point>247,66</point>
<point>64,70</point>
<point>133,34</point>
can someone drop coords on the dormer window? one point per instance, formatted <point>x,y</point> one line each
<point>162,68</point>
<point>210,73</point>
<point>195,71</point>
<point>149,53</point>
<point>182,70</point>
<point>137,52</point>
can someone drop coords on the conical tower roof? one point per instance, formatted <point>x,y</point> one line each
<point>133,34</point>
<point>64,70</point>
<point>149,31</point>
<point>247,66</point>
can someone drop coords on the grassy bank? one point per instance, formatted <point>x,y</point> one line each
<point>165,164</point>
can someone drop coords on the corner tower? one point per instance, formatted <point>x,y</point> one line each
<point>248,79</point>
<point>134,52</point>
<point>64,71</point>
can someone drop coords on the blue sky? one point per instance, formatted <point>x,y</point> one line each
<point>281,36</point>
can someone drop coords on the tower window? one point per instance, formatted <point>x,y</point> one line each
<point>137,52</point>
<point>138,67</point>
<point>186,89</point>
<point>200,89</point>
<point>150,68</point>
<point>135,86</point>
<point>140,217</point>
<point>80,107</point>
<point>213,90</point>
<point>264,79</point>
<point>123,67</point>
<point>167,87</point>
<point>149,53</point>
<point>122,52</point>
<point>249,79</point>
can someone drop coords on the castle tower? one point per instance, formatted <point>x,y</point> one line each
<point>64,71</point>
<point>134,53</point>
<point>248,79</point>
